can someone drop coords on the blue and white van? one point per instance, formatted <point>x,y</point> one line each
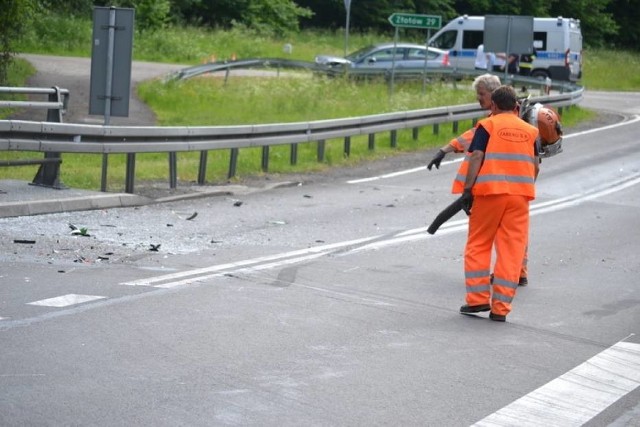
<point>558,44</point>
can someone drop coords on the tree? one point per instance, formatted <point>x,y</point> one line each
<point>626,14</point>
<point>597,24</point>
<point>14,18</point>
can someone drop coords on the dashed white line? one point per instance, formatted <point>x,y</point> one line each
<point>66,300</point>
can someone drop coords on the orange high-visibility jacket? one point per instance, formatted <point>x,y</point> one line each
<point>461,143</point>
<point>509,162</point>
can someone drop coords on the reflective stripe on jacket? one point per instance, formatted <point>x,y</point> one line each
<point>508,166</point>
<point>461,143</point>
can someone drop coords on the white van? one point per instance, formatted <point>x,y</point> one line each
<point>558,44</point>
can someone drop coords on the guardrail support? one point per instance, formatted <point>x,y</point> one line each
<point>347,146</point>
<point>415,133</point>
<point>173,170</point>
<point>130,173</point>
<point>293,158</point>
<point>48,174</point>
<point>233,163</point>
<point>372,141</point>
<point>394,139</point>
<point>436,128</point>
<point>454,126</point>
<point>320,150</point>
<point>265,159</point>
<point>202,168</point>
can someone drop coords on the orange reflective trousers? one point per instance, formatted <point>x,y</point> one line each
<point>501,221</point>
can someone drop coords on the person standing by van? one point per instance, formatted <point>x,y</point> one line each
<point>498,63</point>
<point>513,65</point>
<point>482,58</point>
<point>526,63</point>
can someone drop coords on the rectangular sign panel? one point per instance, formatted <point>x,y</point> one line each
<point>409,20</point>
<point>121,60</point>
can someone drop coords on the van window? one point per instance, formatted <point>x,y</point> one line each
<point>472,39</point>
<point>540,40</point>
<point>446,40</point>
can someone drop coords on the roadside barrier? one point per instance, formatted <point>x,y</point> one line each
<point>48,174</point>
<point>55,137</point>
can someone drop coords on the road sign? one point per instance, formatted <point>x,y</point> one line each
<point>409,20</point>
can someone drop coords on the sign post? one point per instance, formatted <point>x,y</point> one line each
<point>111,68</point>
<point>411,20</point>
<point>347,6</point>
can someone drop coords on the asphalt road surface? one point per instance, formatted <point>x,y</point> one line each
<point>326,303</point>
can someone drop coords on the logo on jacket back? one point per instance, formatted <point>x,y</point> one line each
<point>513,135</point>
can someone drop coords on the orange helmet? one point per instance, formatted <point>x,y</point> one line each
<point>549,125</point>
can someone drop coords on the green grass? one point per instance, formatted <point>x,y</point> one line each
<point>208,101</point>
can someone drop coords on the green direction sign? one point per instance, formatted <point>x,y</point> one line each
<point>409,20</point>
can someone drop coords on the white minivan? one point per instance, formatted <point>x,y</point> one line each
<point>558,44</point>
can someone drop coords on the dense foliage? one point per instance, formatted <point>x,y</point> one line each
<point>604,22</point>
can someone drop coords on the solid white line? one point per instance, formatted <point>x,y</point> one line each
<point>66,300</point>
<point>459,159</point>
<point>243,270</point>
<point>232,265</point>
<point>577,396</point>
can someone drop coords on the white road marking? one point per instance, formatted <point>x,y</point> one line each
<point>66,300</point>
<point>459,159</point>
<point>324,249</point>
<point>577,396</point>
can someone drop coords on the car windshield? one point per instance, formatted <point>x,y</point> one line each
<point>355,56</point>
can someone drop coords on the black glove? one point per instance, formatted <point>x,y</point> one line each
<point>467,201</point>
<point>436,160</point>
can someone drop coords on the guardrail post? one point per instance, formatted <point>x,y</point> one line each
<point>103,176</point>
<point>131,173</point>
<point>233,163</point>
<point>347,146</point>
<point>294,154</point>
<point>320,149</point>
<point>394,139</point>
<point>436,128</point>
<point>265,158</point>
<point>173,170</point>
<point>455,127</point>
<point>48,174</point>
<point>372,141</point>
<point>202,168</point>
<point>415,134</point>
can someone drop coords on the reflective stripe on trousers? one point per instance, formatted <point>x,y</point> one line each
<point>501,221</point>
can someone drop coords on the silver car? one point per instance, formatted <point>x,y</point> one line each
<point>407,55</point>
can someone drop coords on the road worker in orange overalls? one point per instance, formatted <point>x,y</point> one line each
<point>484,85</point>
<point>497,182</point>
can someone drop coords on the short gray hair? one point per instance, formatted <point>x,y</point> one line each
<point>489,81</point>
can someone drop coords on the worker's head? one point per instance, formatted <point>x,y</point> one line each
<point>504,98</point>
<point>484,85</point>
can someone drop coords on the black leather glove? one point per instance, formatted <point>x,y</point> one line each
<point>436,160</point>
<point>467,201</point>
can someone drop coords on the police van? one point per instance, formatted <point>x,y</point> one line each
<point>558,44</point>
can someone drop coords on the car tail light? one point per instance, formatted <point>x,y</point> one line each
<point>445,59</point>
<point>566,57</point>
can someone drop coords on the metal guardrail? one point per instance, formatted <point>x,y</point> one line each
<point>47,137</point>
<point>48,174</point>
